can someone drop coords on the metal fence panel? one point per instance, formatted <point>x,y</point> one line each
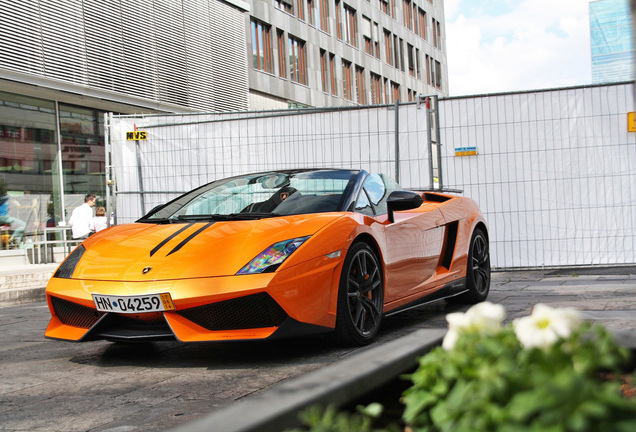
<point>555,173</point>
<point>185,151</point>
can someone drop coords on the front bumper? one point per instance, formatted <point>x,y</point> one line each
<point>296,301</point>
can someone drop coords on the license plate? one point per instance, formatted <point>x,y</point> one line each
<point>133,304</point>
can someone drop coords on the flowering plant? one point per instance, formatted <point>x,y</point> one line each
<point>549,371</point>
<point>543,372</point>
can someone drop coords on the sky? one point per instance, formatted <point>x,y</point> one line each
<point>510,45</point>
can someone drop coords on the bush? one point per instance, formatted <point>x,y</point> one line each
<point>546,372</point>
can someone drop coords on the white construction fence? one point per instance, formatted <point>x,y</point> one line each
<point>554,171</point>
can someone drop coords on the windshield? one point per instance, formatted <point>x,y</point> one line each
<point>255,196</point>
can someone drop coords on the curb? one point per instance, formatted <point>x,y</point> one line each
<point>24,284</point>
<point>15,297</point>
<point>337,384</point>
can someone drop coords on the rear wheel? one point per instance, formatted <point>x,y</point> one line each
<point>360,297</point>
<point>478,271</point>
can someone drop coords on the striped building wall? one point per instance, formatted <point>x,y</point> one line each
<point>181,53</point>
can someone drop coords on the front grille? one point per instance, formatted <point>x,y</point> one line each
<point>74,314</point>
<point>255,311</point>
<point>122,328</point>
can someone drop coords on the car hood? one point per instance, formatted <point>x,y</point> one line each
<point>147,252</point>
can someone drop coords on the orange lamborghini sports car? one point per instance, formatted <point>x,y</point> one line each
<point>269,255</point>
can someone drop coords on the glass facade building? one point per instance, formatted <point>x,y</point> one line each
<point>51,156</point>
<point>612,41</point>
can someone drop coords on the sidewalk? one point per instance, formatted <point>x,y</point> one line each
<point>24,283</point>
<point>166,385</point>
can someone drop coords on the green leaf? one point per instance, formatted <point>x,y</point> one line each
<point>373,410</point>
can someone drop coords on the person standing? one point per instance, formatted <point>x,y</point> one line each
<point>17,225</point>
<point>99,222</point>
<point>81,218</point>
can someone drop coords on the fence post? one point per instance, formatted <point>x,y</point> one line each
<point>397,140</point>
<point>107,119</point>
<point>440,177</point>
<point>140,176</point>
<point>431,103</point>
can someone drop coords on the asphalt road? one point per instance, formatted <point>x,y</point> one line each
<point>50,385</point>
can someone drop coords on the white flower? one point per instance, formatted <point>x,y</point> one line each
<point>484,318</point>
<point>545,326</point>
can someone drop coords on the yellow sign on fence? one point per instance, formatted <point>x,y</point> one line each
<point>631,122</point>
<point>137,136</point>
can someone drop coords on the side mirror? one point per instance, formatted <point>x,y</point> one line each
<point>402,200</point>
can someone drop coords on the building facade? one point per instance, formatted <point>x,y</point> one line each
<point>345,52</point>
<point>611,41</point>
<point>64,64</point>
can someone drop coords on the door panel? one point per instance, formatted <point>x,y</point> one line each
<point>413,249</point>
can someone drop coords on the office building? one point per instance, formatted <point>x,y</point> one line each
<point>64,64</point>
<point>612,41</point>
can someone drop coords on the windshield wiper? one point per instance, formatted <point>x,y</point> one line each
<point>156,221</point>
<point>229,217</point>
<point>250,215</point>
<point>203,217</point>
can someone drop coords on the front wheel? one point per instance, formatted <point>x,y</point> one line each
<point>360,297</point>
<point>478,271</point>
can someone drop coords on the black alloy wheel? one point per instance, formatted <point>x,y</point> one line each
<point>360,298</point>
<point>478,271</point>
<point>480,262</point>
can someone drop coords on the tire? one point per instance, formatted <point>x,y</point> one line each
<point>360,297</point>
<point>478,270</point>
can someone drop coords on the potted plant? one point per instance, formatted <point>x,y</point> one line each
<point>549,371</point>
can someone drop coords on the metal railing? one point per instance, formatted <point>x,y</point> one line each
<point>50,245</point>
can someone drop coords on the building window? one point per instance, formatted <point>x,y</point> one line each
<point>401,43</point>
<point>261,47</point>
<point>407,14</point>
<point>347,79</point>
<point>437,33</point>
<point>410,53</point>
<point>332,74</point>
<point>395,92</point>
<point>418,67</point>
<point>338,21</point>
<point>284,5</point>
<point>323,16</point>
<point>396,52</point>
<point>438,75</point>
<point>386,90</point>
<point>300,10</point>
<point>388,48</point>
<point>376,39</point>
<point>384,7</point>
<point>282,67</point>
<point>376,89</point>
<point>360,87</point>
<point>310,12</point>
<point>350,26</point>
<point>421,17</point>
<point>438,30</point>
<point>324,70</point>
<point>367,35</point>
<point>297,61</point>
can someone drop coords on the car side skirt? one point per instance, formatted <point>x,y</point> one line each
<point>451,289</point>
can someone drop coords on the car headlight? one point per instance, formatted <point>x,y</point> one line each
<point>68,266</point>
<point>272,257</point>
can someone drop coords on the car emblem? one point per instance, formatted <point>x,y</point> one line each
<point>146,270</point>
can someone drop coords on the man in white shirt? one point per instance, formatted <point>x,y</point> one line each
<point>82,217</point>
